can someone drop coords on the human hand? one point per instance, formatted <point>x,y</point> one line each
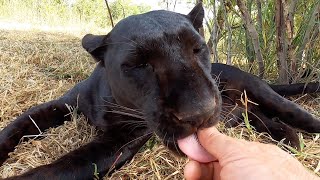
<point>240,159</point>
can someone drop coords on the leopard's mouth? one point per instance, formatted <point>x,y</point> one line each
<point>191,146</point>
<point>182,138</point>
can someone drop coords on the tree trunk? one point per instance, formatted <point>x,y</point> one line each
<point>228,27</point>
<point>254,36</point>
<point>249,46</point>
<point>259,16</point>
<point>281,44</point>
<point>290,34</point>
<point>215,34</point>
<point>174,5</point>
<point>259,26</point>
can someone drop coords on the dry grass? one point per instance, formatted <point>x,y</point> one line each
<point>36,67</point>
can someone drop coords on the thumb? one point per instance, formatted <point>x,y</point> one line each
<point>217,144</point>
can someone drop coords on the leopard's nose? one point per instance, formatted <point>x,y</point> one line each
<point>195,119</point>
<point>195,110</point>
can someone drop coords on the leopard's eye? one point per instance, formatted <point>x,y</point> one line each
<point>142,65</point>
<point>198,49</point>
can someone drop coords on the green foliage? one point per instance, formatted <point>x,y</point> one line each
<point>94,13</point>
<point>240,49</point>
<point>68,12</point>
<point>124,8</point>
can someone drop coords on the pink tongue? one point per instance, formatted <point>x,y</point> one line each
<point>192,148</point>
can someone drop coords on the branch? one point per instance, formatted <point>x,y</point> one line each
<point>109,11</point>
<point>254,35</point>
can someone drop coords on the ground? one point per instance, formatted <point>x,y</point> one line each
<point>36,67</point>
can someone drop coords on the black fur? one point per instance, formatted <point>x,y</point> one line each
<point>154,68</point>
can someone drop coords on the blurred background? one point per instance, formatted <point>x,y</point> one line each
<point>276,38</point>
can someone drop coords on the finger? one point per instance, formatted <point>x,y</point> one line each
<point>217,144</point>
<point>216,170</point>
<point>192,171</point>
<point>195,171</point>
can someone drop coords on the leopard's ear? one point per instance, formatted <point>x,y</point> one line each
<point>96,45</point>
<point>196,16</point>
